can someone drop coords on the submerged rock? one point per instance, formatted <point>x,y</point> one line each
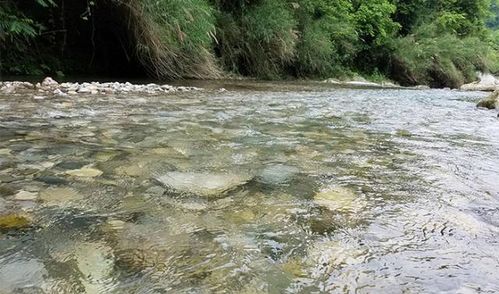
<point>6,191</point>
<point>95,262</point>
<point>491,102</point>
<point>85,172</point>
<point>14,222</point>
<point>58,196</point>
<point>277,174</point>
<point>326,257</point>
<point>338,199</point>
<point>26,196</point>
<point>5,151</point>
<point>202,184</point>
<point>92,262</point>
<point>22,275</point>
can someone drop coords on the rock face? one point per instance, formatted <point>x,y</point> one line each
<point>487,82</point>
<point>491,102</point>
<point>52,87</point>
<point>201,184</point>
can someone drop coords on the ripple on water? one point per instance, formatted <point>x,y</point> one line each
<point>251,191</point>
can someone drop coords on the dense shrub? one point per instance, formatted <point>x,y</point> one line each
<point>257,39</point>
<point>439,43</point>
<point>439,60</point>
<point>327,37</point>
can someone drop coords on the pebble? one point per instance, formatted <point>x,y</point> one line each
<point>49,85</point>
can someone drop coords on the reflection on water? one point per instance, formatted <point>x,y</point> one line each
<point>251,191</point>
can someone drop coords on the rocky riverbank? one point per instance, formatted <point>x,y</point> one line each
<point>486,82</point>
<point>361,82</point>
<point>51,87</point>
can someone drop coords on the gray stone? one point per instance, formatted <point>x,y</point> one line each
<point>202,184</point>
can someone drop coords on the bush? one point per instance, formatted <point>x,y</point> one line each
<point>327,37</point>
<point>438,60</point>
<point>260,42</point>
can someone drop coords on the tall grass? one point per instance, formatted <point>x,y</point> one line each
<point>257,39</point>
<point>439,60</point>
<point>173,38</point>
<point>270,39</point>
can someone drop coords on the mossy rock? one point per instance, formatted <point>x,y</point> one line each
<point>10,222</point>
<point>6,191</point>
<point>491,102</point>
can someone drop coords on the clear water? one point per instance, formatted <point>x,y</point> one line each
<point>265,188</point>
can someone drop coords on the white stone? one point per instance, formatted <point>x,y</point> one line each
<point>486,82</point>
<point>49,82</point>
<point>26,196</point>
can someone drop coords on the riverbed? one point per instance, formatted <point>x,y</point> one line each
<point>253,188</point>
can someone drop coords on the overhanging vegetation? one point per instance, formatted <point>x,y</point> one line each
<point>413,42</point>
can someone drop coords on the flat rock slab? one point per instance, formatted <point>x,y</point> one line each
<point>26,196</point>
<point>202,184</point>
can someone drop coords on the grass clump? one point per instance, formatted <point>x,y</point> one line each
<point>439,60</point>
<point>173,37</point>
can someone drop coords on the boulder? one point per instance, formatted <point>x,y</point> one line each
<point>49,82</point>
<point>491,102</point>
<point>486,82</point>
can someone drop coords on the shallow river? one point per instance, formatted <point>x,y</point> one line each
<point>259,189</point>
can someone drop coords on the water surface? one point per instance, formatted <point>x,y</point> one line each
<point>264,188</point>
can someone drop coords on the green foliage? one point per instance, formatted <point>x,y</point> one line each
<point>14,26</point>
<point>257,39</point>
<point>493,21</point>
<point>440,60</point>
<point>440,43</point>
<point>374,21</point>
<point>327,37</point>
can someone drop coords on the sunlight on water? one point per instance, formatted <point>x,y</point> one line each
<point>270,190</point>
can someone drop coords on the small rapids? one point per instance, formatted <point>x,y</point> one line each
<point>263,188</point>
